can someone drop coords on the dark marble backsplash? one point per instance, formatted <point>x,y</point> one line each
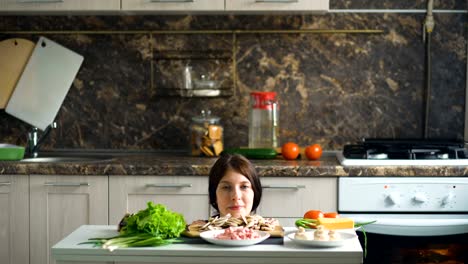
<point>333,88</point>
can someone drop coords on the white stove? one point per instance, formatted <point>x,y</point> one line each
<point>406,206</point>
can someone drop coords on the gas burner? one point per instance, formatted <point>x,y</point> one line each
<point>378,156</point>
<point>405,152</point>
<point>443,156</point>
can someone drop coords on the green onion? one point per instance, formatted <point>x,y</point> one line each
<point>154,226</point>
<point>137,240</point>
<point>306,223</point>
<point>361,225</point>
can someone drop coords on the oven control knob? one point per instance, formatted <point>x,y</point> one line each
<point>393,199</point>
<point>447,199</point>
<point>420,198</point>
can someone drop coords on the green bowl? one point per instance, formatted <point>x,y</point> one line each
<point>11,152</point>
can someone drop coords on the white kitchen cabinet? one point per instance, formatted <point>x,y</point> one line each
<point>60,204</point>
<point>14,220</point>
<point>88,262</point>
<point>288,198</point>
<point>187,195</point>
<point>278,5</point>
<point>59,5</point>
<point>173,5</point>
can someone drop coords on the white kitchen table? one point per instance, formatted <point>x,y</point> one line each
<point>69,251</point>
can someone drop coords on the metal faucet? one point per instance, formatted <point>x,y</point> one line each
<point>34,141</point>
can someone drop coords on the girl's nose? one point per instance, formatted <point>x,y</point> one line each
<point>236,194</point>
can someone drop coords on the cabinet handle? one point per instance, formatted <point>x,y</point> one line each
<point>170,185</point>
<point>295,187</point>
<point>66,184</point>
<point>276,1</point>
<point>39,1</point>
<point>5,183</point>
<point>172,1</point>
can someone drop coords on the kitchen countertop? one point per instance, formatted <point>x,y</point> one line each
<point>179,163</point>
<point>69,250</point>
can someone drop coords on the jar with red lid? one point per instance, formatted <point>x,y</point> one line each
<point>263,120</point>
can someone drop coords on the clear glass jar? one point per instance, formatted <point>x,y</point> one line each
<point>206,135</point>
<point>188,77</point>
<point>263,120</point>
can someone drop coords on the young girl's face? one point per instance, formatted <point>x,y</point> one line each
<point>234,195</point>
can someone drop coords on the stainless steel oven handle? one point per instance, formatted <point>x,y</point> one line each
<point>417,225</point>
<point>5,183</point>
<point>416,222</point>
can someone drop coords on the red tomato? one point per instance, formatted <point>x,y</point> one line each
<point>313,214</point>
<point>290,151</point>
<point>331,215</point>
<point>313,152</point>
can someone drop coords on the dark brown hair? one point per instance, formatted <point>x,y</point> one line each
<point>239,164</point>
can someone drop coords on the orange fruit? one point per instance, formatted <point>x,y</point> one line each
<point>313,152</point>
<point>313,214</point>
<point>290,151</point>
<point>331,215</point>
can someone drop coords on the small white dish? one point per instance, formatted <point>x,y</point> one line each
<point>322,244</point>
<point>210,236</point>
<point>206,84</point>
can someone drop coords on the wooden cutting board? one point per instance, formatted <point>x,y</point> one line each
<point>45,82</point>
<point>278,232</point>
<point>14,55</point>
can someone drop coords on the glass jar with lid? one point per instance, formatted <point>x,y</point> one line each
<point>263,120</point>
<point>206,135</point>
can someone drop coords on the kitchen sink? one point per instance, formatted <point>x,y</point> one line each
<point>68,157</point>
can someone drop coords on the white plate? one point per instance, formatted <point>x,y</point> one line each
<point>210,237</point>
<point>317,243</point>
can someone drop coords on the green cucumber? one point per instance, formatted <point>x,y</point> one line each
<point>253,153</point>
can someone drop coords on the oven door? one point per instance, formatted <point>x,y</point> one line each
<point>413,238</point>
<point>390,249</point>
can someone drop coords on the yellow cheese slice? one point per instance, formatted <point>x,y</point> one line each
<point>336,223</point>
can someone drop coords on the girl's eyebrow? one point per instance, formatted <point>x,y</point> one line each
<point>228,182</point>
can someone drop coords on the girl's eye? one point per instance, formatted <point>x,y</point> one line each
<point>225,187</point>
<point>245,187</point>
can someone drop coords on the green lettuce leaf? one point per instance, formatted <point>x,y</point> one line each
<point>155,220</point>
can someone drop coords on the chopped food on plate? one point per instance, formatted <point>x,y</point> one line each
<point>238,233</point>
<point>255,222</point>
<point>321,234</point>
<point>302,234</point>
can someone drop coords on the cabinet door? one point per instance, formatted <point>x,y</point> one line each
<point>14,227</point>
<point>278,5</point>
<point>187,195</point>
<point>59,5</point>
<point>173,5</point>
<point>59,205</point>
<point>288,198</point>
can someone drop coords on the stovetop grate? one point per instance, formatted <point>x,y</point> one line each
<point>405,149</point>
